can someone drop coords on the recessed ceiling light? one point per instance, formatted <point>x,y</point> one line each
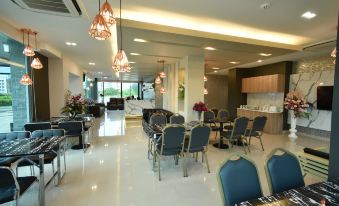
<point>91,63</point>
<point>265,54</point>
<point>132,62</point>
<point>134,54</point>
<point>308,15</point>
<point>139,40</point>
<point>234,62</point>
<point>71,43</point>
<point>6,48</point>
<point>99,72</point>
<point>105,77</point>
<point>215,71</point>
<point>259,61</point>
<point>215,68</point>
<point>210,48</point>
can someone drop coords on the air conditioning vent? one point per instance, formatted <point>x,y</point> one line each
<point>53,7</point>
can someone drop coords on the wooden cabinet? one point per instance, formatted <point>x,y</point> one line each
<point>274,121</point>
<point>263,84</point>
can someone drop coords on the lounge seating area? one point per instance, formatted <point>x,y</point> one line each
<point>162,103</point>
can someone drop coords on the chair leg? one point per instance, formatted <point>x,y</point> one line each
<point>17,171</point>
<point>262,145</point>
<point>208,166</point>
<point>196,156</point>
<point>202,158</point>
<point>243,144</point>
<point>17,201</point>
<point>159,168</point>
<point>176,157</point>
<point>184,165</point>
<point>249,142</point>
<point>64,158</point>
<point>53,171</point>
<point>149,147</point>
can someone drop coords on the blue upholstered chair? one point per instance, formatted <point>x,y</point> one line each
<point>32,126</point>
<point>237,133</point>
<point>75,129</point>
<point>177,119</point>
<point>171,143</point>
<point>12,187</point>
<point>283,171</point>
<point>257,129</point>
<point>238,180</point>
<point>158,119</point>
<point>198,142</point>
<point>12,136</point>
<point>209,119</point>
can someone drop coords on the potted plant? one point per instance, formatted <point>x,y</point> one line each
<point>74,104</point>
<point>199,107</point>
<point>297,107</point>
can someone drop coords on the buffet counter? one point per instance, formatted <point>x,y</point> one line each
<point>274,122</point>
<point>134,107</point>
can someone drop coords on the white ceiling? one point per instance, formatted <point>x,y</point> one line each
<point>281,20</point>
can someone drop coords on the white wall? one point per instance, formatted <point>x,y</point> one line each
<point>73,82</point>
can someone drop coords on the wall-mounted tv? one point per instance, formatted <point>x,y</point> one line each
<point>324,97</point>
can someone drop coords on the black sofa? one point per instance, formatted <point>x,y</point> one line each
<point>116,104</point>
<point>146,115</point>
<point>97,109</point>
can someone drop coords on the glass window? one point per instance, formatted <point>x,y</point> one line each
<point>112,90</point>
<point>100,93</point>
<point>14,101</point>
<point>148,91</point>
<point>130,90</point>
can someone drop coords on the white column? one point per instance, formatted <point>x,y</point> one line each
<point>194,84</point>
<point>170,98</point>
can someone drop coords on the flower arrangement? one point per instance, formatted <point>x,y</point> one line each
<point>295,102</point>
<point>74,104</point>
<point>200,107</point>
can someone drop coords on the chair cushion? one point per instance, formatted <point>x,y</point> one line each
<point>48,159</point>
<point>168,152</point>
<point>6,162</point>
<point>25,182</point>
<point>7,193</point>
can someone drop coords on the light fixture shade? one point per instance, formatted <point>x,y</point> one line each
<point>205,91</point>
<point>106,12</point>
<point>334,54</point>
<point>91,84</point>
<point>99,29</point>
<point>157,80</point>
<point>205,79</point>
<point>162,75</point>
<point>26,80</point>
<point>120,62</point>
<point>162,90</point>
<point>28,51</point>
<point>36,63</point>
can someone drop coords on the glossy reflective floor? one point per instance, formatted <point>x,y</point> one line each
<point>116,171</point>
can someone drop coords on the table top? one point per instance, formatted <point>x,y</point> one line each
<point>28,146</point>
<point>57,120</point>
<point>188,126</point>
<point>327,192</point>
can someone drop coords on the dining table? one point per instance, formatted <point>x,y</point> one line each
<point>321,194</point>
<point>29,147</point>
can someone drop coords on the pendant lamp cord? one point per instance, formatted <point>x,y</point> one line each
<point>36,48</point>
<point>28,38</point>
<point>99,7</point>
<point>120,28</point>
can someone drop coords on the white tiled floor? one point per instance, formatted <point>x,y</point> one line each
<point>116,171</point>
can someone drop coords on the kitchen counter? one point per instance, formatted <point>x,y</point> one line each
<point>257,110</point>
<point>274,121</point>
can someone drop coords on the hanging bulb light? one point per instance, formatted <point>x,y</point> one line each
<point>26,80</point>
<point>36,63</point>
<point>120,62</point>
<point>205,79</point>
<point>334,54</point>
<point>99,29</point>
<point>157,80</point>
<point>205,91</point>
<point>28,51</point>
<point>162,75</point>
<point>162,90</point>
<point>106,11</point>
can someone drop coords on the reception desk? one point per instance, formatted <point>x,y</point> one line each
<point>134,107</point>
<point>274,122</point>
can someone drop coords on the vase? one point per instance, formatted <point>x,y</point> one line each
<point>199,115</point>
<point>293,130</point>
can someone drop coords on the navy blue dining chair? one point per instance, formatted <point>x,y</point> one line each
<point>75,129</point>
<point>170,143</point>
<point>238,180</point>
<point>12,187</point>
<point>177,119</point>
<point>158,119</point>
<point>198,142</point>
<point>257,129</point>
<point>209,119</point>
<point>32,126</point>
<point>283,171</point>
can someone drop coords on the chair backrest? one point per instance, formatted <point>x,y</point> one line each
<point>240,126</point>
<point>32,126</point>
<point>158,119</point>
<point>72,127</point>
<point>48,133</point>
<point>15,135</point>
<point>238,180</point>
<point>215,111</point>
<point>208,116</point>
<point>177,119</point>
<point>172,138</point>
<point>199,138</point>
<point>223,115</point>
<point>258,124</point>
<point>8,180</point>
<point>283,171</point>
